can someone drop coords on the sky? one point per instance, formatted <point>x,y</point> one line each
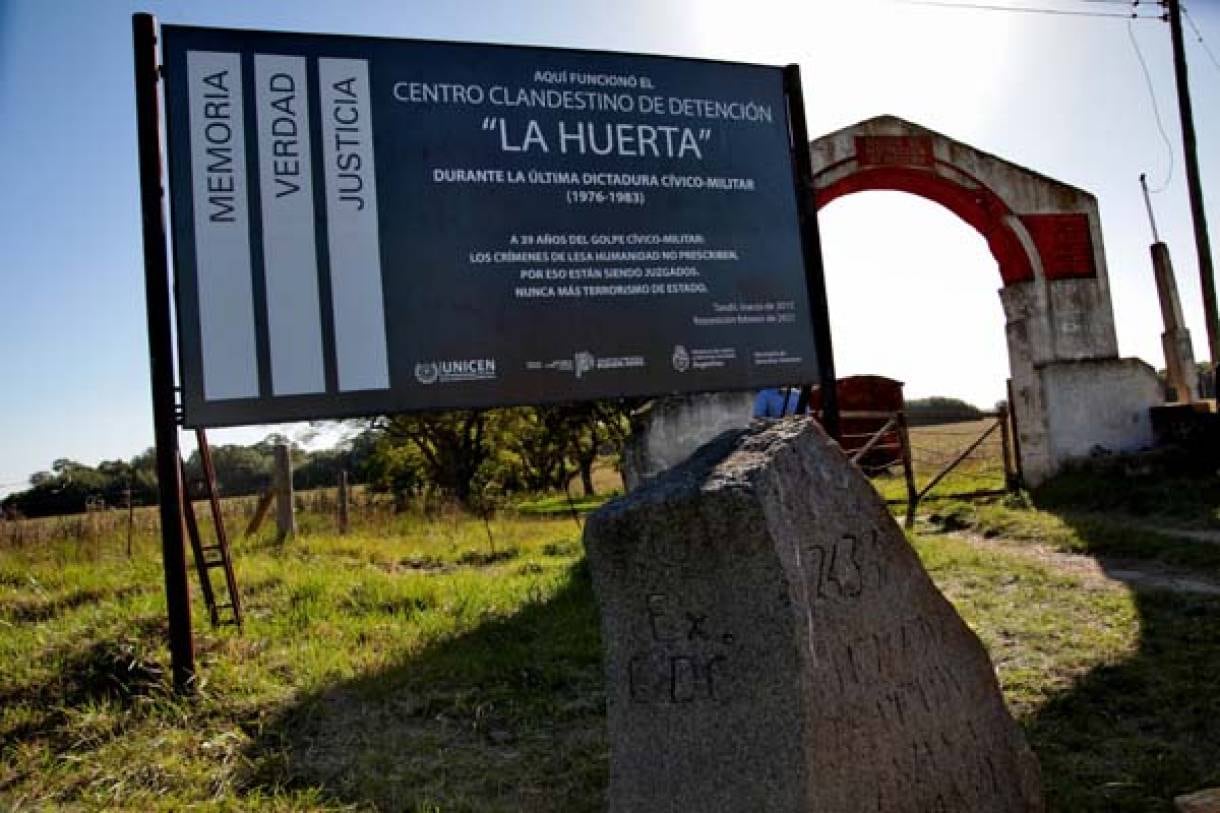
<point>912,289</point>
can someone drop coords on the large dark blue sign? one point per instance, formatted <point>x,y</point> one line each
<point>365,226</point>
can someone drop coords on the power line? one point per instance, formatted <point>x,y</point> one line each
<point>1199,35</point>
<point>1133,15</point>
<point>1156,110</point>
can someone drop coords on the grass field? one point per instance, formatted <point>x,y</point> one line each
<point>434,661</point>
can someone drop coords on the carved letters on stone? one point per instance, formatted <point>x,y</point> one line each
<point>773,644</point>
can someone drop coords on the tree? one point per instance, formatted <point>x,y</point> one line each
<point>939,409</point>
<point>452,446</point>
<point>239,469</point>
<point>319,469</point>
<point>66,489</point>
<point>589,427</point>
<point>536,439</point>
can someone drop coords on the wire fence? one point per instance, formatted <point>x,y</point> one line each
<point>982,469</point>
<point>111,527</point>
<point>115,528</point>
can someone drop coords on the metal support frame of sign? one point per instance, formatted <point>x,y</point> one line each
<point>811,248</point>
<point>161,354</point>
<point>780,252</point>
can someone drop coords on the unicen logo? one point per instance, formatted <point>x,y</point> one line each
<point>427,372</point>
<point>430,372</point>
<point>680,359</point>
<point>468,367</point>
<point>585,362</point>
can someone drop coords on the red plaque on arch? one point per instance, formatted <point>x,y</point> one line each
<point>1064,243</point>
<point>894,151</point>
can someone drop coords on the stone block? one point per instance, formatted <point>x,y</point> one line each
<point>1203,801</point>
<point>773,643</point>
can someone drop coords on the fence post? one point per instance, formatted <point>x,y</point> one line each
<point>342,499</point>
<point>260,510</point>
<point>1017,466</point>
<point>131,516</point>
<point>908,468</point>
<point>285,518</point>
<point>1010,478</point>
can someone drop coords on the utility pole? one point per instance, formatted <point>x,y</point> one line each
<point>1202,243</point>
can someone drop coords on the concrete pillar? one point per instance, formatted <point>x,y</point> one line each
<point>1082,320</point>
<point>1179,354</point>
<point>1028,345</point>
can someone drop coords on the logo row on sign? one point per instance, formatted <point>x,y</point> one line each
<point>224,255</point>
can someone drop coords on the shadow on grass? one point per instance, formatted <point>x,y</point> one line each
<point>117,668</point>
<point>1132,735</point>
<point>509,716</point>
<point>1170,484</point>
<point>42,607</point>
<point>120,670</point>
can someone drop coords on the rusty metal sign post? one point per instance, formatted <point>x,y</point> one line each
<point>811,247</point>
<point>161,354</point>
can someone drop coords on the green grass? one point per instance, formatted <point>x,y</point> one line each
<point>419,664</point>
<point>426,665</point>
<point>1116,689</point>
<point>562,504</point>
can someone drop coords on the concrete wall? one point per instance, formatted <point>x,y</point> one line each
<point>1028,337</point>
<point>1099,406</point>
<point>673,428</point>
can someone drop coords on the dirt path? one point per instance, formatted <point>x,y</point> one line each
<point>1193,534</point>
<point>1103,572</point>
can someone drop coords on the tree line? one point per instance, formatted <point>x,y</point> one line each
<point>469,455</point>
<point>939,409</point>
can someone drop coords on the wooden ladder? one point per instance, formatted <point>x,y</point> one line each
<point>211,557</point>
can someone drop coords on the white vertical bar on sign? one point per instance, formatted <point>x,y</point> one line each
<point>222,225</point>
<point>351,224</point>
<point>290,256</point>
